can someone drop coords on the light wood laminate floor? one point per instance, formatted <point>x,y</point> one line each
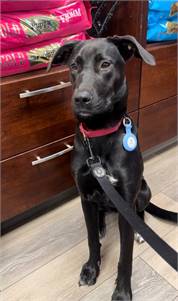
<point>41,260</point>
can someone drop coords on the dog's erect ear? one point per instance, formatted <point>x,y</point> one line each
<point>62,54</point>
<point>128,46</point>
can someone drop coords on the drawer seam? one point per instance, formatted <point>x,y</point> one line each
<point>39,147</point>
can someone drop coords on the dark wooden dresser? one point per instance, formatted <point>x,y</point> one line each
<point>38,125</point>
<point>37,137</point>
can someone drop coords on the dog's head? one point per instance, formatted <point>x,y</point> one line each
<point>97,72</point>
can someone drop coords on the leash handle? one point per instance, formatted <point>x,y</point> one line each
<point>154,240</point>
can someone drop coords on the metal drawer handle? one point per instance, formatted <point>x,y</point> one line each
<point>53,156</point>
<point>28,93</point>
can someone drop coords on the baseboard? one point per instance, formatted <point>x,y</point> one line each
<point>36,211</point>
<point>151,152</point>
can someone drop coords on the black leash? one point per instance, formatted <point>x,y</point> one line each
<point>159,245</point>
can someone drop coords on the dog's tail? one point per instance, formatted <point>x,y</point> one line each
<point>143,202</point>
<point>162,213</point>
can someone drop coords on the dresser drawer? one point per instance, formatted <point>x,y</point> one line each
<point>159,82</point>
<point>158,123</point>
<point>25,186</point>
<point>38,118</point>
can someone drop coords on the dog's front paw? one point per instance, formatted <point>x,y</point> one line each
<point>89,274</point>
<point>121,295</point>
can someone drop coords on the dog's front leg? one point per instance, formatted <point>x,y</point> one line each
<point>123,282</point>
<point>90,269</point>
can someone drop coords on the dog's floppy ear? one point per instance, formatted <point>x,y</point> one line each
<point>62,54</point>
<point>128,46</point>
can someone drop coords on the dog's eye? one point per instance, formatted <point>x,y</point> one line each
<point>105,65</point>
<point>74,67</point>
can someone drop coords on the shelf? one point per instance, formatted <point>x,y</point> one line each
<point>156,45</point>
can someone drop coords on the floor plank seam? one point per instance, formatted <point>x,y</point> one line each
<point>162,277</point>
<point>110,224</point>
<point>101,283</point>
<point>165,188</point>
<point>65,252</point>
<point>97,286</point>
<point>162,237</point>
<point>48,262</point>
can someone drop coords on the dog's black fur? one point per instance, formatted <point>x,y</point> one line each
<point>100,101</point>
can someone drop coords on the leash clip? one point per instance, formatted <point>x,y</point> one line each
<point>91,161</point>
<point>97,169</point>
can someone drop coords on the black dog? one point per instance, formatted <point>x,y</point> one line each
<point>100,102</point>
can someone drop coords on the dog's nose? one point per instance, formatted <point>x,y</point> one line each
<point>83,97</point>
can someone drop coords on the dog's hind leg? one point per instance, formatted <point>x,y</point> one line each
<point>90,269</point>
<point>142,202</point>
<point>138,238</point>
<point>143,197</point>
<point>102,223</point>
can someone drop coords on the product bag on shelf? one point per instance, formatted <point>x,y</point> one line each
<point>162,20</point>
<point>164,5</point>
<point>26,28</point>
<point>13,5</point>
<point>32,57</point>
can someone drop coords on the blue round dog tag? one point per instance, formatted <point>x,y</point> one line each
<point>129,140</point>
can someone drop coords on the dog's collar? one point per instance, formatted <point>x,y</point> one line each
<point>87,133</point>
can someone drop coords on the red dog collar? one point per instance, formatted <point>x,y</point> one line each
<point>98,133</point>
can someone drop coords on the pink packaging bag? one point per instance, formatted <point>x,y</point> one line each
<point>25,28</point>
<point>26,5</point>
<point>32,57</point>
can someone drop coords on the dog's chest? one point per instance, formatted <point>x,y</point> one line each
<point>87,177</point>
<point>90,188</point>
